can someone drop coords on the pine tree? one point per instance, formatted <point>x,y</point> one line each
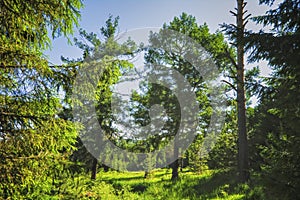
<point>105,56</point>
<point>34,141</point>
<point>276,123</point>
<point>237,35</point>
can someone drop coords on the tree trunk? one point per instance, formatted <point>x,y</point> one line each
<point>181,164</point>
<point>94,169</point>
<point>105,168</point>
<point>175,167</point>
<point>175,164</point>
<point>243,168</point>
<point>146,174</point>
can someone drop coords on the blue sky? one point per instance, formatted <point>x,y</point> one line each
<point>152,13</point>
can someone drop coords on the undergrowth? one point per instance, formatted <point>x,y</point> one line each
<point>132,185</point>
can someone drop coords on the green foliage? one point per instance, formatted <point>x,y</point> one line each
<point>175,59</point>
<point>196,155</point>
<point>25,24</point>
<point>100,62</point>
<point>224,153</point>
<point>35,142</point>
<point>37,137</point>
<point>275,135</point>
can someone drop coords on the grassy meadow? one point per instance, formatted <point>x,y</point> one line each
<point>132,185</point>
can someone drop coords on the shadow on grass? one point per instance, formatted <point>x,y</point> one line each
<point>114,179</point>
<point>205,187</point>
<point>209,185</point>
<point>140,187</point>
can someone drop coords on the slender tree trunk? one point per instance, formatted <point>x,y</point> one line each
<point>181,164</point>
<point>106,168</point>
<point>146,174</point>
<point>94,169</point>
<point>175,164</point>
<point>243,168</point>
<point>175,167</point>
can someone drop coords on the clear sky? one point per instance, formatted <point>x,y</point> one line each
<point>151,13</point>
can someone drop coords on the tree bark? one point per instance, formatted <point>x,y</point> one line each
<point>175,164</point>
<point>175,167</point>
<point>243,167</point>
<point>94,169</point>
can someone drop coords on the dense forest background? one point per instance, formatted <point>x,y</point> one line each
<point>42,140</point>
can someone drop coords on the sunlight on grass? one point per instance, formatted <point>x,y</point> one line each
<point>206,185</point>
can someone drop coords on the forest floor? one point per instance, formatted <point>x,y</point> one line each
<point>132,185</point>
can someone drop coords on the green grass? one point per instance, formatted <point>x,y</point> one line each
<point>207,185</point>
<point>132,185</point>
